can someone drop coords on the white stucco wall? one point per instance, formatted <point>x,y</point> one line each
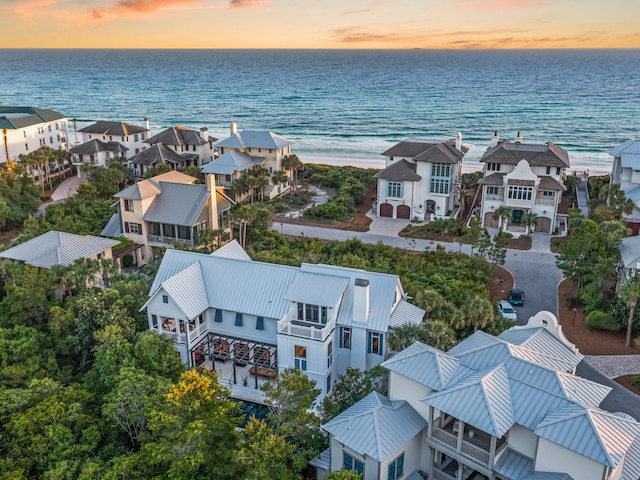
<point>523,440</point>
<point>551,457</point>
<point>37,135</point>
<point>412,456</point>
<point>403,388</point>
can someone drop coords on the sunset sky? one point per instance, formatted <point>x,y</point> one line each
<point>459,24</point>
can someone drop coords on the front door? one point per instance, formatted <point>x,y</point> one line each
<point>516,216</point>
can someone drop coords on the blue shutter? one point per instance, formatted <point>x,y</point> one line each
<point>369,341</point>
<point>341,337</point>
<point>400,465</point>
<point>380,342</point>
<point>218,317</point>
<point>238,319</point>
<point>260,323</point>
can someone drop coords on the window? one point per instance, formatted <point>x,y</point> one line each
<point>49,127</point>
<point>260,323</point>
<point>353,465</point>
<point>493,191</point>
<point>329,354</point>
<point>169,230</point>
<point>519,193</point>
<point>328,383</point>
<point>25,133</point>
<point>300,311</point>
<point>548,170</point>
<point>218,316</point>
<point>493,167</point>
<point>26,147</point>
<point>547,193</point>
<point>184,233</point>
<point>154,321</point>
<point>375,343</point>
<point>165,299</point>
<point>345,337</point>
<point>128,205</point>
<point>391,158</point>
<point>300,361</point>
<point>131,227</point>
<point>558,170</point>
<point>396,468</point>
<point>312,313</point>
<point>323,315</point>
<point>440,185</point>
<point>135,138</point>
<point>394,189</point>
<point>238,319</point>
<point>441,170</point>
<point>50,139</point>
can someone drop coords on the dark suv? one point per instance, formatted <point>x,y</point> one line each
<point>516,297</point>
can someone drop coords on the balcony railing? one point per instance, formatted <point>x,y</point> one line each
<point>166,240</point>
<point>491,196</point>
<point>468,449</point>
<point>545,201</point>
<point>445,437</point>
<point>288,326</point>
<point>478,454</point>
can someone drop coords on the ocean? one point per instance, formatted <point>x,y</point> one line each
<point>347,105</point>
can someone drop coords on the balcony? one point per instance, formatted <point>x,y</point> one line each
<point>550,202</point>
<point>473,444</point>
<point>164,240</point>
<point>493,197</point>
<point>289,325</point>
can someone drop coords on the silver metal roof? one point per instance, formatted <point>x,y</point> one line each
<point>188,291</point>
<point>424,364</point>
<point>232,161</point>
<point>630,251</point>
<point>151,186</point>
<point>57,248</point>
<point>512,464</point>
<point>178,204</point>
<point>317,289</point>
<point>376,426</point>
<point>254,139</point>
<point>406,314</point>
<point>482,400</point>
<point>629,147</point>
<point>113,228</point>
<point>323,460</point>
<point>541,340</point>
<point>233,249</point>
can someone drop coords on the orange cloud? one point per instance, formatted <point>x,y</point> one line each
<point>125,7</point>
<point>237,4</point>
<point>499,4</point>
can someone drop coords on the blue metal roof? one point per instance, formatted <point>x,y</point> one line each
<point>316,289</point>
<point>254,139</point>
<point>113,228</point>
<point>178,204</point>
<point>232,161</point>
<point>425,365</point>
<point>512,464</point>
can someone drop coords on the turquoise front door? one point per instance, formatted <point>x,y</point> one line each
<point>516,217</point>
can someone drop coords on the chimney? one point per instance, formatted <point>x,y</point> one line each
<point>361,301</point>
<point>213,204</point>
<point>204,133</point>
<point>459,142</point>
<point>495,139</point>
<point>519,138</point>
<point>146,124</point>
<point>234,128</point>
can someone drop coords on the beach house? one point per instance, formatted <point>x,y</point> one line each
<point>166,209</point>
<point>419,179</point>
<point>130,136</point>
<point>520,178</point>
<point>25,129</point>
<point>491,408</point>
<point>195,146</point>
<point>245,318</point>
<point>95,153</point>
<point>626,173</point>
<point>248,150</point>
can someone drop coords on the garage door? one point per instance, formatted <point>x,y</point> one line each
<point>386,210</point>
<point>404,211</point>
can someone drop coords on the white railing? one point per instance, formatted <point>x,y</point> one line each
<point>302,331</point>
<point>445,437</point>
<point>156,238</point>
<point>545,201</point>
<point>491,196</point>
<point>478,454</point>
<point>440,475</point>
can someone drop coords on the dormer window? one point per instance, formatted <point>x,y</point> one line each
<point>312,313</point>
<point>493,167</point>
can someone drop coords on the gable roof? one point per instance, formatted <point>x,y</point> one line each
<point>630,251</point>
<point>109,127</point>
<point>536,154</point>
<point>414,146</point>
<point>178,135</point>
<point>376,426</point>
<point>233,249</point>
<point>232,161</point>
<point>440,153</point>
<point>97,146</point>
<point>113,228</point>
<point>178,204</point>
<point>629,154</point>
<point>406,313</point>
<point>399,171</point>
<point>188,291</point>
<point>57,248</point>
<point>254,139</point>
<point>151,186</point>
<point>13,117</point>
<point>317,289</point>
<point>158,153</point>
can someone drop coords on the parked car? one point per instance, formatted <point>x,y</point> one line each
<point>507,311</point>
<point>516,297</point>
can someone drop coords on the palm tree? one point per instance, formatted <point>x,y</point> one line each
<point>238,188</point>
<point>477,312</point>
<point>278,178</point>
<point>630,294</point>
<point>262,182</point>
<point>404,336</point>
<point>292,163</point>
<point>529,220</point>
<point>465,188</point>
<point>6,144</point>
<point>503,215</point>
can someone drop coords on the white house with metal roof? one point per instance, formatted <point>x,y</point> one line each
<point>195,146</point>
<point>419,178</point>
<point>95,153</point>
<point>258,318</point>
<point>129,136</point>
<point>246,150</point>
<point>167,209</point>
<point>629,265</point>
<point>498,408</point>
<point>626,173</point>
<point>524,177</point>
<point>25,129</point>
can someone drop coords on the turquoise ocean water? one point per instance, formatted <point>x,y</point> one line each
<point>351,104</point>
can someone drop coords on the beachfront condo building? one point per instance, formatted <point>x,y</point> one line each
<point>626,173</point>
<point>26,129</point>
<point>524,178</point>
<point>419,179</point>
<point>491,408</point>
<point>248,150</point>
<point>249,320</point>
<point>170,208</point>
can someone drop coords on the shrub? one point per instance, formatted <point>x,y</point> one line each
<point>127,260</point>
<point>635,382</point>
<point>602,321</point>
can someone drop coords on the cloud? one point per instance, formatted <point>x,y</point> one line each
<point>237,4</point>
<point>500,4</point>
<point>127,7</point>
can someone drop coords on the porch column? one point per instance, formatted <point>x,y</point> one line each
<point>460,434</point>
<point>492,450</point>
<point>430,422</point>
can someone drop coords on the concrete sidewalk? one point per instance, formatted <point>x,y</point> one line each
<point>66,189</point>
